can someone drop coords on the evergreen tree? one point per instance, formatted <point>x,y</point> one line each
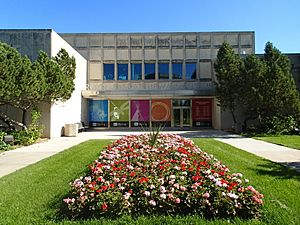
<point>228,67</point>
<point>24,84</point>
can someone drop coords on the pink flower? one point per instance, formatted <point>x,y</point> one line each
<point>177,200</point>
<point>147,193</point>
<point>206,195</point>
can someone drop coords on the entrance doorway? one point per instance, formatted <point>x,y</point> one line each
<point>182,117</point>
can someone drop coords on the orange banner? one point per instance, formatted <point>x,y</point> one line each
<point>161,110</point>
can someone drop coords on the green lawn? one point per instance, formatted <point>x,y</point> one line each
<point>33,195</point>
<point>292,141</point>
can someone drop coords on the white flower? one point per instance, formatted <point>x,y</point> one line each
<point>152,186</point>
<point>147,193</point>
<point>162,189</point>
<point>163,196</point>
<point>152,202</point>
<point>172,177</point>
<point>232,195</point>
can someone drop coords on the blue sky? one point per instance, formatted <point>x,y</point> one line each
<point>277,21</point>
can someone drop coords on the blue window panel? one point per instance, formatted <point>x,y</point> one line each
<point>122,71</point>
<point>98,110</point>
<point>163,71</point>
<point>108,71</point>
<point>136,71</point>
<point>176,70</point>
<point>191,71</point>
<point>149,71</point>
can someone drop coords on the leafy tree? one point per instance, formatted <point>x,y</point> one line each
<point>228,67</point>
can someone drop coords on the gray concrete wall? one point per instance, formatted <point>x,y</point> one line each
<point>28,42</point>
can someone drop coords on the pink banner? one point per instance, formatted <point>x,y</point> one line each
<point>139,110</point>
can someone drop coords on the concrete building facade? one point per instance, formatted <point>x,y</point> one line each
<point>149,78</point>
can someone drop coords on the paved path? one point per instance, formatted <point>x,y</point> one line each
<point>275,153</point>
<point>11,161</point>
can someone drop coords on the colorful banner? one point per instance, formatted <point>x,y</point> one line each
<point>202,109</point>
<point>139,110</point>
<point>161,110</point>
<point>98,110</point>
<point>119,110</point>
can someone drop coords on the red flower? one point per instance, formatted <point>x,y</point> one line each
<point>222,173</point>
<point>132,174</point>
<point>104,188</point>
<point>143,179</point>
<point>104,206</point>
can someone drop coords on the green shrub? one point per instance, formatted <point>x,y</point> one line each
<point>30,136</point>
<point>3,145</point>
<point>279,125</point>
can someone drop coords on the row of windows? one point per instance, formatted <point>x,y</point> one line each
<point>136,71</point>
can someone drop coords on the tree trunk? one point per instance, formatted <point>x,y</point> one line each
<point>10,122</point>
<point>245,126</point>
<point>24,113</point>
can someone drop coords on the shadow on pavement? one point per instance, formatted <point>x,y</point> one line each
<point>280,170</point>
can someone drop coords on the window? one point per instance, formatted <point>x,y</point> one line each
<point>109,71</point>
<point>191,71</point>
<point>136,71</point>
<point>176,70</point>
<point>149,71</point>
<point>163,71</point>
<point>181,102</point>
<point>122,71</point>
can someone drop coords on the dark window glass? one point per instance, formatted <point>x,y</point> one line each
<point>149,71</point>
<point>136,71</point>
<point>181,102</point>
<point>191,71</point>
<point>122,71</point>
<point>163,71</point>
<point>109,71</point>
<point>177,70</point>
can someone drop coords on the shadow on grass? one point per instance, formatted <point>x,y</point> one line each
<point>281,171</point>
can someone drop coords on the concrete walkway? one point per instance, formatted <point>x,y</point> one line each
<point>11,161</point>
<point>276,153</point>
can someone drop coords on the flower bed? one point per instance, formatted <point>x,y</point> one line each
<point>172,177</point>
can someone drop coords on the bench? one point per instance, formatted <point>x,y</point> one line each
<point>82,127</point>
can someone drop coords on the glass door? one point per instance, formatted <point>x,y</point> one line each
<point>177,117</point>
<point>186,117</point>
<point>182,117</point>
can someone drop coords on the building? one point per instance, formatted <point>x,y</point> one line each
<point>150,78</point>
<point>54,115</point>
<point>134,79</point>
